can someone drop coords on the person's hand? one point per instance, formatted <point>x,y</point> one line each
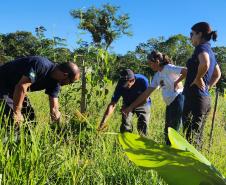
<point>199,83</point>
<point>102,127</point>
<point>177,85</point>
<point>126,110</point>
<point>56,116</point>
<point>18,117</point>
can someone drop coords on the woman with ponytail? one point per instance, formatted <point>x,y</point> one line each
<point>203,72</point>
<point>168,77</point>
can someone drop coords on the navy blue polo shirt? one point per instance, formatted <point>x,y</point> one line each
<point>192,67</point>
<point>36,68</point>
<point>131,94</point>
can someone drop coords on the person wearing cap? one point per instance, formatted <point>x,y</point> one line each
<point>203,73</point>
<point>33,73</point>
<point>129,87</point>
<point>167,77</point>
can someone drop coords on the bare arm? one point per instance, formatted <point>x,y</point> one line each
<point>54,109</point>
<point>216,76</point>
<point>110,109</point>
<point>18,97</point>
<point>183,75</point>
<point>177,83</point>
<point>204,63</point>
<point>141,99</point>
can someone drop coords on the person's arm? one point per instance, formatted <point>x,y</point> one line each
<point>216,76</point>
<point>54,109</point>
<point>204,63</point>
<point>110,109</point>
<point>183,74</point>
<point>141,99</point>
<point>19,94</point>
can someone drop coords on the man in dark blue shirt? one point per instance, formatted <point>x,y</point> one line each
<point>130,86</point>
<point>33,73</point>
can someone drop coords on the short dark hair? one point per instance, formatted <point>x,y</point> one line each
<point>206,31</point>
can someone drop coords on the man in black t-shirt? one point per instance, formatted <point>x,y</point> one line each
<point>33,73</point>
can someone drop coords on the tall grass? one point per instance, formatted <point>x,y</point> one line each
<point>75,153</point>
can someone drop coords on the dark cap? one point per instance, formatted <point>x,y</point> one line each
<point>126,74</point>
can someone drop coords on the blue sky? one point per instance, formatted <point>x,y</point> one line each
<point>148,18</point>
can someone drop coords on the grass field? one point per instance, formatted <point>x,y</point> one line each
<point>75,153</point>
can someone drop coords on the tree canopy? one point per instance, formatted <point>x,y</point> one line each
<point>104,24</point>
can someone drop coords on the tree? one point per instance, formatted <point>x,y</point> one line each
<point>221,59</point>
<point>20,43</point>
<point>2,52</point>
<point>51,48</point>
<point>177,47</point>
<point>132,61</point>
<point>104,24</point>
<point>95,64</point>
<point>62,54</point>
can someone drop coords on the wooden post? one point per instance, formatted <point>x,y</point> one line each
<point>83,94</point>
<point>213,118</point>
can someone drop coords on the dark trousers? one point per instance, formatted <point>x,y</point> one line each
<point>174,115</point>
<point>143,114</point>
<point>6,112</point>
<point>196,110</point>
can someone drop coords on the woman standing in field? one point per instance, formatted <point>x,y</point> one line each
<point>168,77</point>
<point>203,73</point>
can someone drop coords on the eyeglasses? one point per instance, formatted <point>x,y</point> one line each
<point>191,34</point>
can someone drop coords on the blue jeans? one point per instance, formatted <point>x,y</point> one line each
<point>174,113</point>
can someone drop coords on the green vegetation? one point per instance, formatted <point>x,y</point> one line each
<point>104,24</point>
<point>175,164</point>
<point>75,153</point>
